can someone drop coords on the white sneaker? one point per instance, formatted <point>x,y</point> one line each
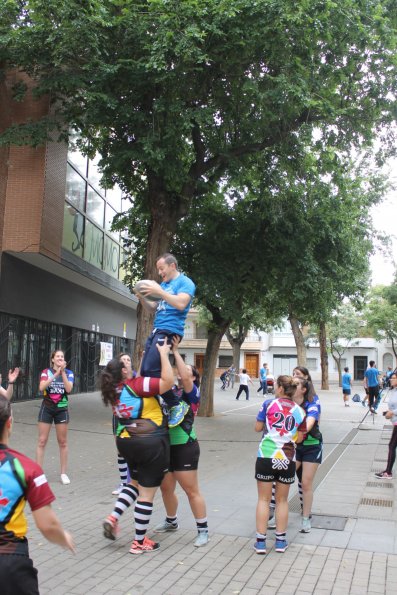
<point>65,479</point>
<point>201,539</point>
<point>117,490</point>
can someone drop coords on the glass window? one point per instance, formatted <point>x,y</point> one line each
<point>93,245</point>
<point>73,230</point>
<point>95,206</point>
<point>113,196</point>
<point>111,257</point>
<point>94,175</point>
<point>311,363</point>
<point>78,159</point>
<point>110,215</point>
<point>225,361</point>
<point>75,188</point>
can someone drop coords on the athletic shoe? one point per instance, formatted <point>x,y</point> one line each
<point>177,414</point>
<point>373,411</point>
<point>260,547</point>
<point>363,403</point>
<point>65,479</point>
<point>306,525</point>
<point>117,491</point>
<point>166,527</point>
<point>110,527</point>
<point>147,546</point>
<point>271,523</point>
<point>281,545</point>
<point>383,475</point>
<point>201,539</point>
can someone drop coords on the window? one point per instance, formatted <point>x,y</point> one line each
<point>88,215</point>
<point>225,361</point>
<point>343,364</point>
<point>75,188</point>
<point>93,245</point>
<point>73,230</point>
<point>387,361</point>
<point>311,363</point>
<point>95,206</point>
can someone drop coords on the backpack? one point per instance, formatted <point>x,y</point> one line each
<point>356,398</point>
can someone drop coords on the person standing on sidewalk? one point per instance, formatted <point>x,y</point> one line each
<point>391,414</point>
<point>142,439</point>
<point>279,419</point>
<point>346,386</point>
<point>56,383</point>
<point>372,375</point>
<point>244,380</point>
<point>263,380</point>
<point>184,456</point>
<point>22,480</point>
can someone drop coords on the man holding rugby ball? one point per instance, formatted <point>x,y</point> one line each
<point>171,301</point>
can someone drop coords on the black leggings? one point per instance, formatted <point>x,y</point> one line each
<point>243,387</point>
<point>391,457</point>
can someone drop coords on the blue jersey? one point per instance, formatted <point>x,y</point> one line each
<point>263,374</point>
<point>346,380</point>
<point>167,317</point>
<point>372,375</point>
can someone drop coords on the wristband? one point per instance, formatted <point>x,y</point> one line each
<point>13,382</point>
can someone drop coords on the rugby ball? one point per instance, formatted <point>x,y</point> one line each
<point>146,284</point>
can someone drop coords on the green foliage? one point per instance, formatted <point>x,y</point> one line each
<point>381,314</point>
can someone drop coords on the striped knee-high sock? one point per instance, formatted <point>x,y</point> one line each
<point>273,500</point>
<point>142,514</point>
<point>123,469</point>
<point>126,498</point>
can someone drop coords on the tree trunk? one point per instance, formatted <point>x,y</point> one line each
<point>337,360</point>
<point>299,340</point>
<point>236,343</point>
<point>322,337</point>
<point>164,217</point>
<point>215,334</point>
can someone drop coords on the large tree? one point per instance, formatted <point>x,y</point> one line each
<point>172,94</point>
<point>381,314</point>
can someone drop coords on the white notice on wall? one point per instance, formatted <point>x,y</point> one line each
<point>106,353</point>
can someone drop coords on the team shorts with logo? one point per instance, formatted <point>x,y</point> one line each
<point>309,453</point>
<point>48,415</point>
<point>269,470</point>
<point>147,456</point>
<point>185,457</point>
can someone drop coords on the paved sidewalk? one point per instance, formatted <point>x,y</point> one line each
<point>352,547</point>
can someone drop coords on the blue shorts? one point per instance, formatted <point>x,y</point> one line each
<point>309,453</point>
<point>48,415</point>
<point>346,391</point>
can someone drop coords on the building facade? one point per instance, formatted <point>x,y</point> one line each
<point>60,263</point>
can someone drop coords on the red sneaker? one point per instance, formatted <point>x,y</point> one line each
<point>110,527</point>
<point>147,546</point>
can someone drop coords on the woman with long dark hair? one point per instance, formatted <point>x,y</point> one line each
<point>184,457</point>
<point>141,438</point>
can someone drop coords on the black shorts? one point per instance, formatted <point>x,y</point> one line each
<point>47,415</point>
<point>309,453</point>
<point>269,470</point>
<point>347,391</point>
<point>18,576</point>
<point>185,457</point>
<point>147,456</point>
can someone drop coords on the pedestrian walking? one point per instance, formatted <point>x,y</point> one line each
<point>244,380</point>
<point>346,386</point>
<point>56,384</point>
<point>372,375</point>
<point>263,379</point>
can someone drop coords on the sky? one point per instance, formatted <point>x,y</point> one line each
<point>384,217</point>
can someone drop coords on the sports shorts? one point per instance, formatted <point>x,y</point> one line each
<point>147,456</point>
<point>48,415</point>
<point>269,470</point>
<point>185,457</point>
<point>346,391</point>
<point>18,576</point>
<point>309,453</point>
